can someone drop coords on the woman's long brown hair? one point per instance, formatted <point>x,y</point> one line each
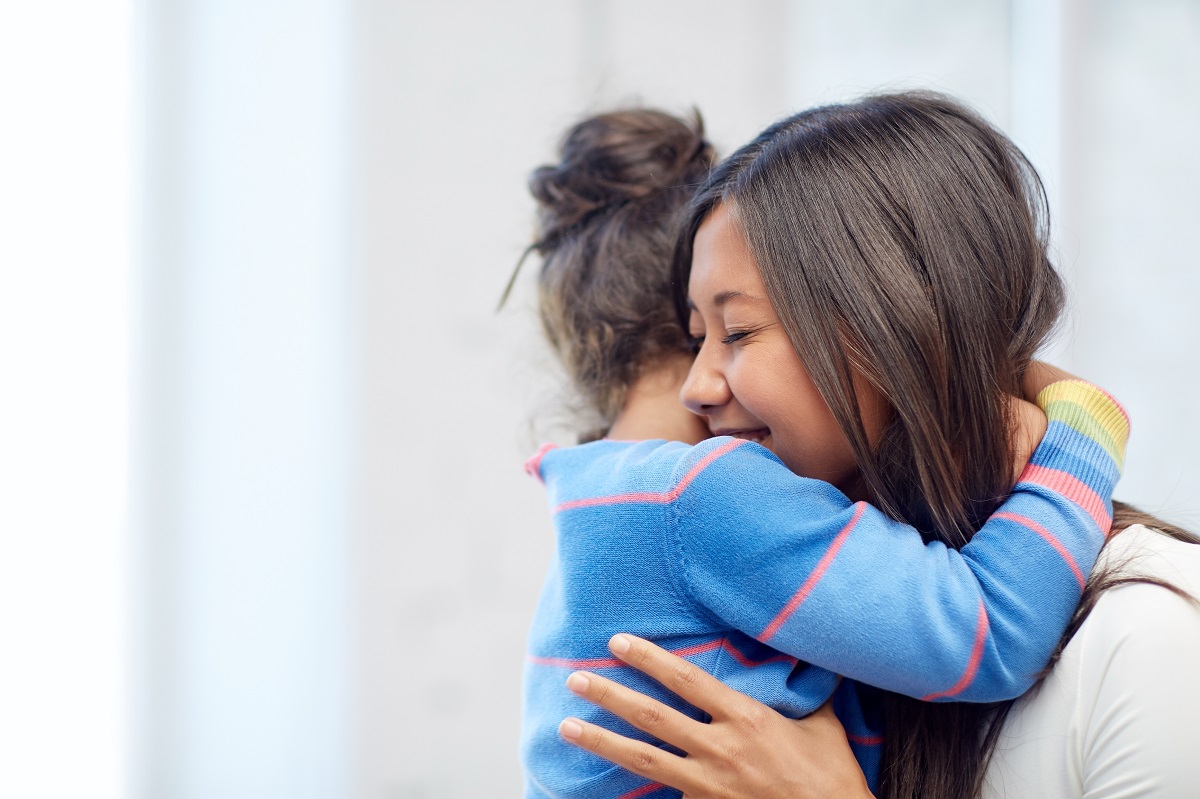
<point>904,238</point>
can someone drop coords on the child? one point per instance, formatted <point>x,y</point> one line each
<point>772,582</point>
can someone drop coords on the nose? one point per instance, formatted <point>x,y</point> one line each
<point>705,388</point>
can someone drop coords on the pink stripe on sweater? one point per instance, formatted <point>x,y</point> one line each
<point>740,657</point>
<point>864,740</point>
<point>1072,488</point>
<point>1049,538</point>
<point>654,497</point>
<point>645,789</point>
<point>981,631</point>
<point>814,578</point>
<point>683,652</point>
<point>582,663</point>
<point>533,466</point>
<point>649,497</point>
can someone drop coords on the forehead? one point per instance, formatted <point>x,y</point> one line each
<point>722,261</point>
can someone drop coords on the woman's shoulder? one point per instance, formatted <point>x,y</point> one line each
<point>1142,553</point>
<point>1151,612</point>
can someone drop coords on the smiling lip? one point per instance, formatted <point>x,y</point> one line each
<point>757,436</point>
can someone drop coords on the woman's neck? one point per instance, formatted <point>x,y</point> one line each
<point>652,408</point>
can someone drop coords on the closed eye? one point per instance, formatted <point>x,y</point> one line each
<point>736,336</point>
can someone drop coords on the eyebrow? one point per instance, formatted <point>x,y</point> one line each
<point>725,296</point>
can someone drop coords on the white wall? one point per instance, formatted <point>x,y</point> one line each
<point>1132,186</point>
<point>336,200</point>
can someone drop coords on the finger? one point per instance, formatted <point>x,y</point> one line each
<point>647,714</point>
<point>682,678</point>
<point>639,757</point>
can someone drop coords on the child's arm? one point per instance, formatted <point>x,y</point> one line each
<point>795,564</point>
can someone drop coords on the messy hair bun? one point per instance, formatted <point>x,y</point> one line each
<point>617,158</point>
<point>607,220</point>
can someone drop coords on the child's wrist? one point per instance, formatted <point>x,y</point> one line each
<point>1090,410</point>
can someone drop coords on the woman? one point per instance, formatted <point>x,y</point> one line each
<point>656,536</point>
<point>920,231</point>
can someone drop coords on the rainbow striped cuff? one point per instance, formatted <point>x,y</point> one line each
<point>1090,411</point>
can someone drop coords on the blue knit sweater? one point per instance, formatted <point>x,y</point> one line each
<point>775,584</point>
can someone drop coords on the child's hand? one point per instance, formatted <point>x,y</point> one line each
<point>1040,374</point>
<point>1029,422</point>
<point>1029,427</point>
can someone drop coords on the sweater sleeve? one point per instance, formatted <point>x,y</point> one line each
<point>795,564</point>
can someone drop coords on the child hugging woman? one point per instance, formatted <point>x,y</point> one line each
<point>844,396</point>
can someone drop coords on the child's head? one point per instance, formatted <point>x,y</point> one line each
<point>901,241</point>
<point>607,223</point>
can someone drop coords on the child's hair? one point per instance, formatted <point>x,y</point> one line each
<point>904,237</point>
<point>607,225</point>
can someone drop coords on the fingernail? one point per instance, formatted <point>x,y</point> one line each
<point>578,682</point>
<point>619,644</point>
<point>570,729</point>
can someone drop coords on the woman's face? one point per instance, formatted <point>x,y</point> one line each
<point>747,380</point>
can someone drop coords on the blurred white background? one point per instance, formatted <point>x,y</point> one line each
<point>265,529</point>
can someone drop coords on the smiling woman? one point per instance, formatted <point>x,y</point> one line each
<point>655,536</point>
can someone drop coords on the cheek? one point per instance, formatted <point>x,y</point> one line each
<point>798,398</point>
<point>810,436</point>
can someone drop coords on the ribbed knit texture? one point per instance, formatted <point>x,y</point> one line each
<point>775,584</point>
